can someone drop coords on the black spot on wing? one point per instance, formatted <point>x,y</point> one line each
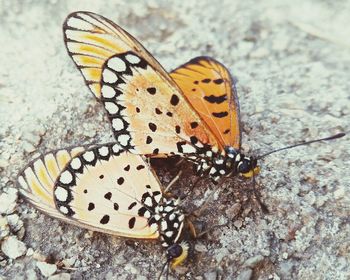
<point>91,206</point>
<point>152,127</point>
<point>174,100</point>
<point>194,124</point>
<point>120,180</point>
<point>218,81</point>
<point>139,167</point>
<point>108,195</point>
<point>216,99</point>
<point>104,220</point>
<point>220,114</point>
<point>151,90</point>
<point>132,205</point>
<point>132,222</point>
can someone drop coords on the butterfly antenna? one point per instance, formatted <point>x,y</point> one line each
<point>257,197</point>
<point>161,273</point>
<point>339,135</point>
<point>167,271</point>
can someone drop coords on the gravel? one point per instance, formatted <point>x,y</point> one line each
<point>291,61</point>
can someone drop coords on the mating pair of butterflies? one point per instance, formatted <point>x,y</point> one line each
<point>192,112</point>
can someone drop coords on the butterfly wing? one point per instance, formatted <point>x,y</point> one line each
<point>102,188</point>
<point>148,112</point>
<point>209,88</point>
<point>91,39</point>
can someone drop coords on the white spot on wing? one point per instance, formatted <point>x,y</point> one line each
<point>89,156</point>
<point>148,201</point>
<point>107,91</point>
<point>109,76</point>
<point>154,226</point>
<point>75,163</point>
<point>132,58</point>
<point>116,148</point>
<point>169,233</point>
<point>61,194</point>
<point>103,151</point>
<point>66,177</point>
<point>64,209</point>
<point>147,214</point>
<point>188,149</point>
<point>111,107</point>
<point>123,139</point>
<point>116,64</point>
<point>118,124</point>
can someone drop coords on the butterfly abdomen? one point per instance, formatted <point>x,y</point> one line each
<point>170,221</point>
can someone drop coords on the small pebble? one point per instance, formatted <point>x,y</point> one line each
<point>60,276</point>
<point>339,193</point>
<point>238,223</point>
<point>232,211</point>
<point>210,275</point>
<point>251,262</point>
<point>200,248</point>
<point>8,201</point>
<point>13,248</point>
<point>15,223</point>
<point>28,147</point>
<point>259,53</point>
<point>245,274</point>
<point>46,269</point>
<point>4,228</point>
<point>30,252</point>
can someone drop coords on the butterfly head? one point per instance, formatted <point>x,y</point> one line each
<point>241,164</point>
<point>177,254</point>
<point>248,166</point>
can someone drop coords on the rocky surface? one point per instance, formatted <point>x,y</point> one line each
<point>291,60</point>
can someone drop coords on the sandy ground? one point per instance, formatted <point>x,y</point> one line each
<point>291,60</point>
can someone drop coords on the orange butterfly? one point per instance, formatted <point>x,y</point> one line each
<point>104,188</point>
<point>193,112</point>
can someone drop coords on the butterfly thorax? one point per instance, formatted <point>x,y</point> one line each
<point>220,164</point>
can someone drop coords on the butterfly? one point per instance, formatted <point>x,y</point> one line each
<point>192,112</point>
<point>106,189</point>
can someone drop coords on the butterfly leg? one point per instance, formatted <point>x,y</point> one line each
<point>173,181</point>
<point>195,234</point>
<point>257,196</point>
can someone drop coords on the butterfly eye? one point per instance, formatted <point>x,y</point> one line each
<point>245,166</point>
<point>174,251</point>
